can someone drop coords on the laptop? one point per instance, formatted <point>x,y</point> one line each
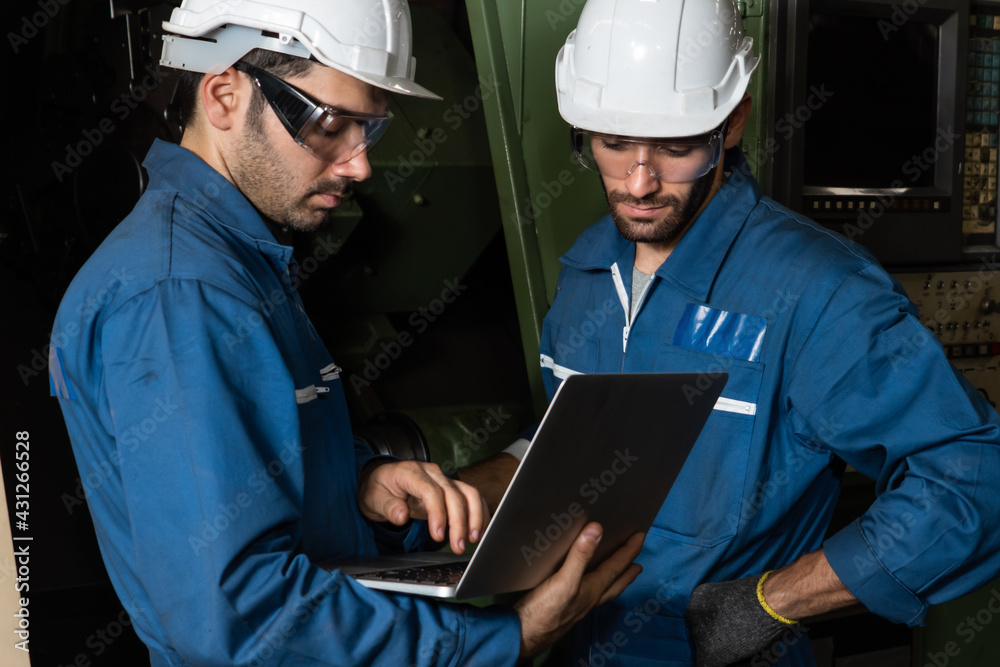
<point>608,449</point>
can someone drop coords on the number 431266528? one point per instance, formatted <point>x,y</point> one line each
<point>21,453</point>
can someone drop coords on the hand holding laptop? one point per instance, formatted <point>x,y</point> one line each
<point>552,608</point>
<point>598,431</point>
<point>397,491</point>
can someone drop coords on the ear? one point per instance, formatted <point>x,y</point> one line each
<point>738,121</point>
<point>223,97</point>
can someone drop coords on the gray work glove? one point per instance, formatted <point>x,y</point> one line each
<point>728,622</point>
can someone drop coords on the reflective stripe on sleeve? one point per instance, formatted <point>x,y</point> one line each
<point>560,372</point>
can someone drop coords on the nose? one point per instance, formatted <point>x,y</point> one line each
<point>640,181</point>
<point>356,169</point>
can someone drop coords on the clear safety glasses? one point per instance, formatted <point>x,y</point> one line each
<point>670,160</point>
<point>329,134</point>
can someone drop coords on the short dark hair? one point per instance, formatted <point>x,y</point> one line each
<point>280,65</point>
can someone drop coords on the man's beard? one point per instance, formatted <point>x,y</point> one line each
<point>270,184</point>
<point>666,229</point>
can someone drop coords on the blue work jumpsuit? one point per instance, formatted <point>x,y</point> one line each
<point>828,364</point>
<point>210,429</point>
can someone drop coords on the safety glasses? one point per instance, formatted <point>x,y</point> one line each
<point>329,134</point>
<point>670,160</point>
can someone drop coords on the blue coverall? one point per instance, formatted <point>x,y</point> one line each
<point>211,432</point>
<point>828,363</point>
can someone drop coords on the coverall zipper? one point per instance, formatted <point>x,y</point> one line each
<point>623,297</point>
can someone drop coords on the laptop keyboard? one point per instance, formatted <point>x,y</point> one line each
<point>438,574</point>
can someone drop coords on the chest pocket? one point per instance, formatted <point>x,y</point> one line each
<point>703,507</point>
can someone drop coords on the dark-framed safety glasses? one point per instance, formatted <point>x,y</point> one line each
<point>329,134</point>
<point>670,160</point>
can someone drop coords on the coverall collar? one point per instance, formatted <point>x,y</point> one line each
<point>172,167</point>
<point>695,262</point>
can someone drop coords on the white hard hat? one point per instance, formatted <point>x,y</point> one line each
<point>654,68</point>
<point>368,39</point>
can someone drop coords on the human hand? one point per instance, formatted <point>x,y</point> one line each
<point>736,619</point>
<point>402,490</point>
<point>491,476</point>
<point>560,601</point>
<point>728,622</point>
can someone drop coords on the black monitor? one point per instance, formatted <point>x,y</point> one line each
<point>868,116</point>
<point>882,67</point>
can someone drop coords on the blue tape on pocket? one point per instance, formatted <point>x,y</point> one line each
<point>719,332</point>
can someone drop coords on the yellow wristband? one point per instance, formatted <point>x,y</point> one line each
<point>763,603</point>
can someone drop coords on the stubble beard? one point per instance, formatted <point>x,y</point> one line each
<point>270,184</point>
<point>665,229</point>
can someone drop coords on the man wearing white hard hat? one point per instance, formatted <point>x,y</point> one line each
<point>828,365</point>
<point>196,392</point>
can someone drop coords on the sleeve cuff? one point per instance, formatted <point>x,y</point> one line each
<point>518,448</point>
<point>363,459</point>
<point>529,433</point>
<point>856,564</point>
<point>391,539</point>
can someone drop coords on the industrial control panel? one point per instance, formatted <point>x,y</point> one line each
<point>962,309</point>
